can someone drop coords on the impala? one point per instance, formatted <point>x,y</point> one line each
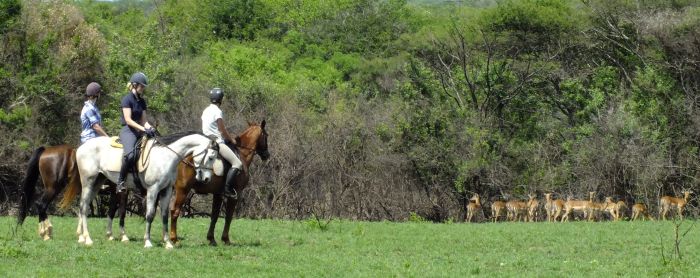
<point>516,210</point>
<point>577,205</point>
<point>472,207</point>
<point>667,203</point>
<point>640,210</point>
<point>497,209</point>
<point>533,206</point>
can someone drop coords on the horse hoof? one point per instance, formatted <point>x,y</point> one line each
<point>168,246</point>
<point>125,238</point>
<point>47,237</point>
<point>88,242</point>
<point>110,238</point>
<point>212,243</point>
<point>81,239</point>
<point>148,244</point>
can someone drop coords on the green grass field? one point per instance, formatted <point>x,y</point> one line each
<point>357,249</point>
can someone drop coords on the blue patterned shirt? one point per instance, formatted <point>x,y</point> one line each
<point>89,116</point>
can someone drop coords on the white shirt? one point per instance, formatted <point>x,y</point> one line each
<point>209,126</point>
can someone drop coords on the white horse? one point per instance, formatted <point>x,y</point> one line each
<point>98,160</point>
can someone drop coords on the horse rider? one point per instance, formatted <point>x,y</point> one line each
<point>213,124</point>
<point>90,118</point>
<point>134,123</point>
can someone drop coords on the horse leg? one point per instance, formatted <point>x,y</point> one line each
<point>164,202</point>
<point>123,197</point>
<point>86,196</point>
<point>151,197</point>
<point>215,209</point>
<point>180,197</point>
<point>111,212</point>
<point>42,205</point>
<point>230,207</point>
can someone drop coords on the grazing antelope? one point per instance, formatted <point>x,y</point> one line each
<point>533,206</point>
<point>640,210</point>
<point>516,210</point>
<point>668,202</point>
<point>497,209</point>
<point>620,208</point>
<point>577,205</point>
<point>472,207</point>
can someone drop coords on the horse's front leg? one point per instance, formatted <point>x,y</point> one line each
<point>151,197</point>
<point>164,201</point>
<point>180,197</point>
<point>215,209</point>
<point>230,207</point>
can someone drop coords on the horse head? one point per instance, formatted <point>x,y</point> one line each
<point>203,159</point>
<point>254,138</point>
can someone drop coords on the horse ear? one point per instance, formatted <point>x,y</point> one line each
<point>262,124</point>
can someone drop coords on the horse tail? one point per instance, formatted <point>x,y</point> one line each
<point>29,185</point>
<point>74,186</point>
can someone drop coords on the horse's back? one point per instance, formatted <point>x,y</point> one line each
<point>99,152</point>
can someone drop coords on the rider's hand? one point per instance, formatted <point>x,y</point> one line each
<point>150,132</point>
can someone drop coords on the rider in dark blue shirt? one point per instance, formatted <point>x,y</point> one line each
<point>134,123</point>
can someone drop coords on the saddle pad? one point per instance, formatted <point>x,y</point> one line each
<point>219,167</point>
<point>115,165</point>
<point>115,143</point>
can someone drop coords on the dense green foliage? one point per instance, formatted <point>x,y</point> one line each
<point>381,108</point>
<point>298,248</point>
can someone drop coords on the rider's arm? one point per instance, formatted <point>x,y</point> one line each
<point>222,128</point>
<point>99,130</point>
<point>144,121</point>
<point>129,121</point>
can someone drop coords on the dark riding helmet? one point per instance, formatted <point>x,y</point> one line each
<point>93,89</point>
<point>139,78</point>
<point>216,95</point>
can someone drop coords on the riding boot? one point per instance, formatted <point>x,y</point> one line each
<point>121,187</point>
<point>229,190</point>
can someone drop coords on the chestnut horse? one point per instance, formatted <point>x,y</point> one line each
<point>57,167</point>
<point>252,141</point>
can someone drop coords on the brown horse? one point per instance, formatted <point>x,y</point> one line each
<point>57,167</point>
<point>252,141</point>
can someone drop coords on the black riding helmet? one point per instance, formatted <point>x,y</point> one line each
<point>93,89</point>
<point>216,95</point>
<point>139,78</point>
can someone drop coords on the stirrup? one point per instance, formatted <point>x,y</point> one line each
<point>229,194</point>
<point>121,187</point>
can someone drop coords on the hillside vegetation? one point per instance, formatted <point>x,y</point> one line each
<point>377,109</point>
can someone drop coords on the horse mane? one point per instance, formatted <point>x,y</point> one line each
<point>169,139</point>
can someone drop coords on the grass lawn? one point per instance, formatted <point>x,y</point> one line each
<point>356,249</point>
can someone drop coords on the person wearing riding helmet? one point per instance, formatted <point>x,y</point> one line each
<point>90,117</point>
<point>213,125</point>
<point>134,123</point>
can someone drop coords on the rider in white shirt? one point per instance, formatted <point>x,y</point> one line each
<point>213,124</point>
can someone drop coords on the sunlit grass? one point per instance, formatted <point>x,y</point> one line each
<point>365,249</point>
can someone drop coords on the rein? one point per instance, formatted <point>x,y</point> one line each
<point>182,158</point>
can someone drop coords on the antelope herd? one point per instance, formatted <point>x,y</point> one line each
<point>564,210</point>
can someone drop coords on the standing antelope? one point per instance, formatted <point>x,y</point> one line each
<point>640,210</point>
<point>667,202</point>
<point>616,210</point>
<point>548,206</point>
<point>516,210</point>
<point>472,207</point>
<point>497,208</point>
<point>576,205</point>
<point>557,208</point>
<point>533,206</point>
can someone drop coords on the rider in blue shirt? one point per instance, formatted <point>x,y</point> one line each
<point>90,117</point>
